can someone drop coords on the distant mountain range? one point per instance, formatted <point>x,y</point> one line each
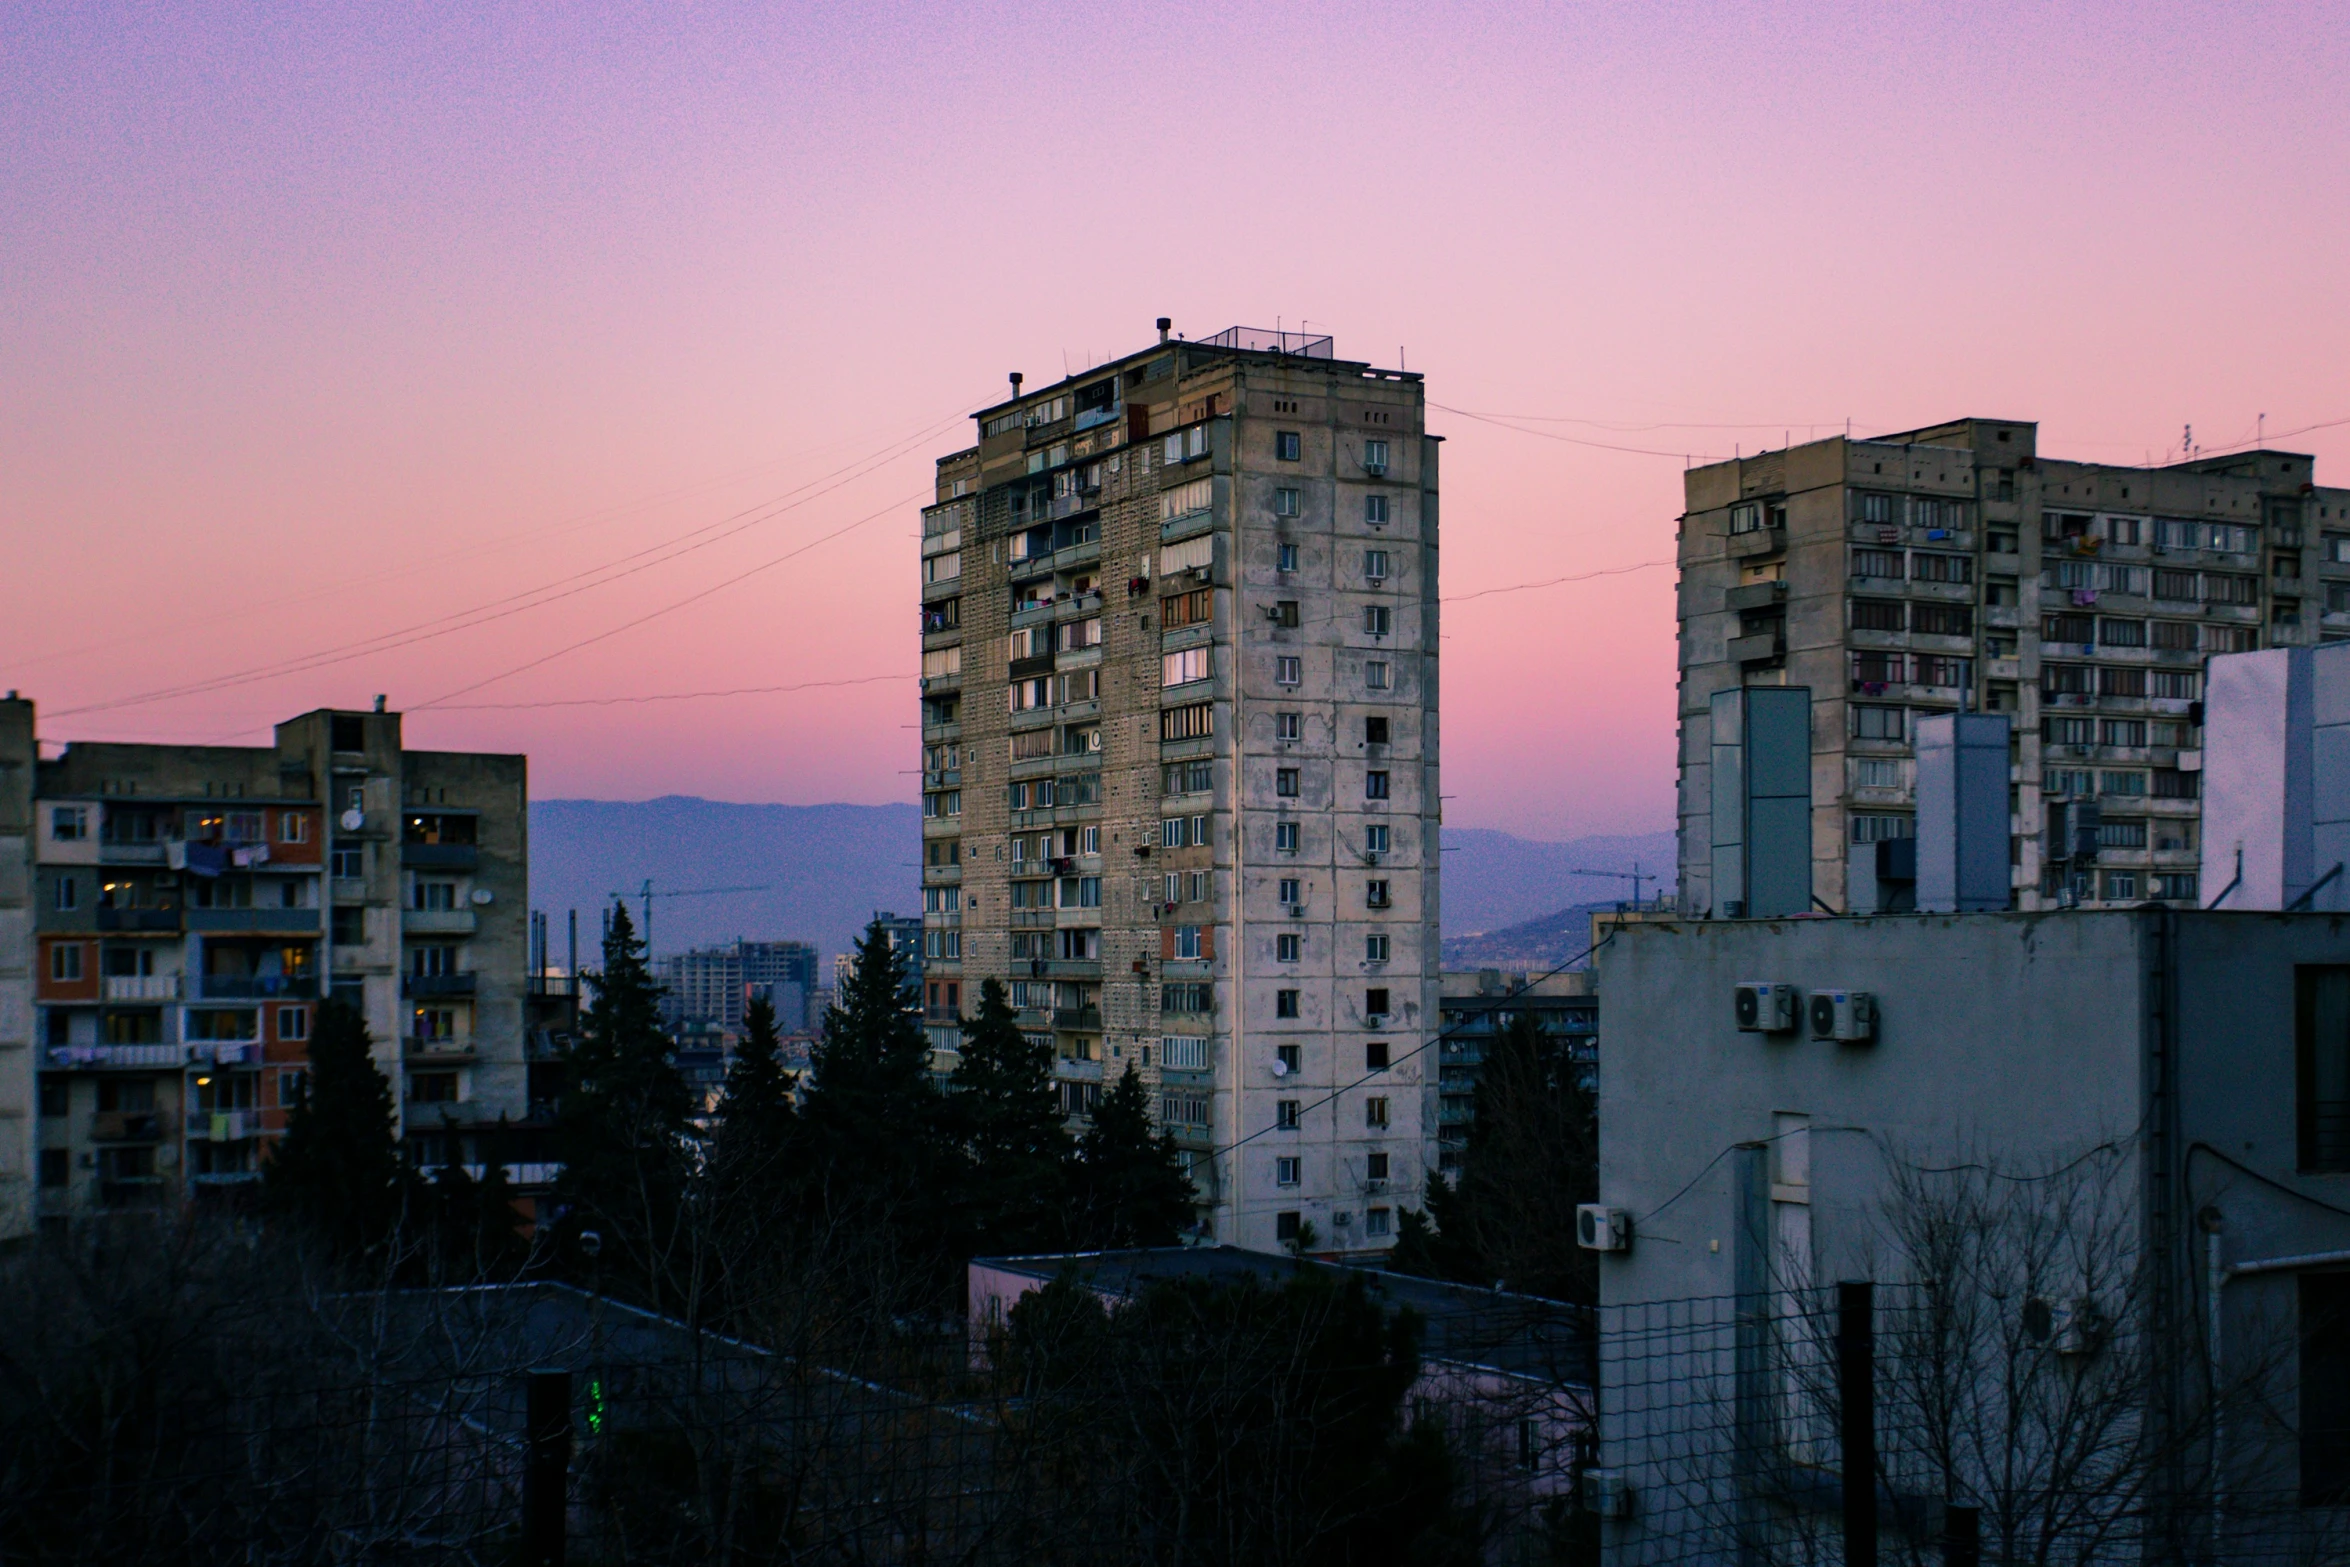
<point>820,871</point>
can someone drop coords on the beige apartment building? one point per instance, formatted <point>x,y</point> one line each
<point>1179,640</point>
<point>1955,569</point>
<point>171,916</point>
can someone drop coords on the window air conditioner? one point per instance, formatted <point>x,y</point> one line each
<point>1849,1016</point>
<point>1765,1007</point>
<point>1601,1228</point>
<point>1606,1494</point>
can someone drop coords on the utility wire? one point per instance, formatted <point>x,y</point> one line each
<point>1570,440</point>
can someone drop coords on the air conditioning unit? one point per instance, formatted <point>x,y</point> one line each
<point>1377,470</point>
<point>1606,1493</point>
<point>1601,1228</point>
<point>1765,1007</point>
<point>1846,1015</point>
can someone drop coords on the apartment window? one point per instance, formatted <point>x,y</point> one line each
<point>1378,1222</point>
<point>1375,565</point>
<point>347,926</point>
<point>2116,834</point>
<point>1879,615</point>
<point>1375,894</point>
<point>69,823</point>
<point>1375,731</point>
<point>1877,563</point>
<point>1285,1115</point>
<point>1174,884</point>
<point>347,864</point>
<point>1285,1003</point>
<point>1191,722</point>
<point>2121,680</point>
<point>1375,785</point>
<point>1183,666</point>
<point>2121,731</point>
<point>1375,509</point>
<point>1285,557</point>
<point>1184,1053</point>
<point>2124,785</point>
<point>1288,446</point>
<point>1374,949</point>
<point>2177,886</point>
<point>2178,685</point>
<point>1868,827</point>
<point>2231,639</point>
<point>1286,501</point>
<point>1876,772</point>
<point>67,894</point>
<point>1943,620</point>
<point>432,1088</point>
<point>1285,1171</point>
<point>1876,508</point>
<point>1746,517</point>
<point>1285,782</point>
<point>1288,670</point>
<point>2121,886</point>
<point>1288,726</point>
<point>1375,1001</point>
<point>1377,620</point>
<point>2325,1389</point>
<point>1285,614</point>
<point>2323,1066</point>
<point>1375,674</point>
<point>1195,608</point>
<point>1287,948</point>
<point>1192,996</point>
<point>1375,840</point>
<point>1170,833</point>
<point>65,962</point>
<point>56,1094</point>
<point>435,897</point>
<point>1292,892</point>
<point>1089,841</point>
<point>1187,943</point>
<point>1199,832</point>
<point>1928,566</point>
<point>1375,1112</point>
<point>1375,1060</point>
<point>945,803</point>
<point>1375,457</point>
<point>1187,778</point>
<point>1285,837</point>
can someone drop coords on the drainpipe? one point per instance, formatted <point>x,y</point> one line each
<point>2233,885</point>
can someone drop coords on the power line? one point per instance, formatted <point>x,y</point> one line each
<point>1570,440</point>
<point>546,593</point>
<point>664,696</point>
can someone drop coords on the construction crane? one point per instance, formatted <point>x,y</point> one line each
<point>646,895</point>
<point>1635,876</point>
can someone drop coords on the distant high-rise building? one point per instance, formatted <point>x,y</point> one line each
<point>1179,644</point>
<point>189,906</point>
<point>714,984</point>
<point>1956,569</point>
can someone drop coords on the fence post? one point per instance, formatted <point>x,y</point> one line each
<point>1752,1353</point>
<point>546,1468</point>
<point>1856,1382</point>
<point>1962,1536</point>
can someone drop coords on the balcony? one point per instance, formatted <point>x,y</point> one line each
<point>440,856</point>
<point>142,987</point>
<point>1757,648</point>
<point>1757,541</point>
<point>1086,1018</point>
<point>438,922</point>
<point>438,1052</point>
<point>423,986</point>
<point>127,1126</point>
<point>111,853</point>
<point>273,922</point>
<point>160,921</point>
<point>260,987</point>
<point>223,1126</point>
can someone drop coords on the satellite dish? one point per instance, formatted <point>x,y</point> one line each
<point>1280,1067</point>
<point>483,897</point>
<point>352,821</point>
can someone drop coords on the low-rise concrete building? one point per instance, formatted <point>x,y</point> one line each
<point>2160,1098</point>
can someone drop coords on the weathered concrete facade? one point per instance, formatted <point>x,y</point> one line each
<point>1953,568</point>
<point>193,904</point>
<point>1180,697</point>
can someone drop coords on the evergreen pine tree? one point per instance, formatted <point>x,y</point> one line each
<point>868,1150</point>
<point>624,1131</point>
<point>1006,1121</point>
<point>1131,1184</point>
<point>753,1129</point>
<point>338,1169</point>
<point>1532,1155</point>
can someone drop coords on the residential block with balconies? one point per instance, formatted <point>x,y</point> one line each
<point>1180,794</point>
<point>1955,568</point>
<point>190,906</point>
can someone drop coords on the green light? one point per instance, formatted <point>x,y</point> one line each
<point>595,1413</point>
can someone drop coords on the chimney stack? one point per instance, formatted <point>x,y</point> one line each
<point>379,701</point>
<point>1165,324</point>
<point>1015,383</point>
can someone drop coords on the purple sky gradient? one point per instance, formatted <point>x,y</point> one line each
<point>314,327</point>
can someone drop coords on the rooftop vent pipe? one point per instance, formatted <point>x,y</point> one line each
<point>1165,324</point>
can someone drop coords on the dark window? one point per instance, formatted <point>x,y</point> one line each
<point>2178,636</point>
<point>2325,1389</point>
<point>1943,620</point>
<point>1375,1003</point>
<point>349,927</point>
<point>2324,1069</point>
<point>56,1094</point>
<point>56,1168</point>
<point>1285,1003</point>
<point>1285,1114</point>
<point>1374,731</point>
<point>1285,612</point>
<point>1286,1226</point>
<point>1376,1167</point>
<point>1289,446</point>
<point>1375,786</point>
<point>1878,615</point>
<point>2068,628</point>
<point>1285,782</point>
<point>2121,680</point>
<point>349,733</point>
<point>1375,1058</point>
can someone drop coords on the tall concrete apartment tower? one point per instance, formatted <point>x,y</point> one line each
<point>1954,569</point>
<point>1179,643</point>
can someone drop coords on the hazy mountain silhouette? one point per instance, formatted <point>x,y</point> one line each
<point>824,869</point>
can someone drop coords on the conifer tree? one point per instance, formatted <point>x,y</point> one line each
<point>868,1120</point>
<point>753,1129</point>
<point>1132,1189</point>
<point>625,1129</point>
<point>338,1169</point>
<point>1006,1121</point>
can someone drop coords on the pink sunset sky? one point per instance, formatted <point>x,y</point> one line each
<point>433,335</point>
